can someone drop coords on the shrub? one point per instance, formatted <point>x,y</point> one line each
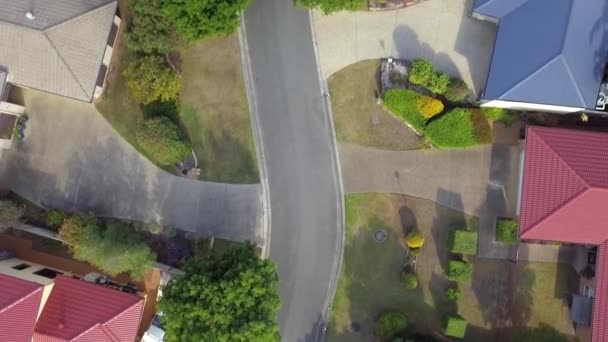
<point>438,83</point>
<point>114,248</point>
<point>463,242</point>
<point>459,270</point>
<point>410,281</point>
<point>332,6</point>
<point>452,129</point>
<point>428,106</point>
<point>403,103</point>
<point>421,72</point>
<point>390,324</point>
<point>457,90</point>
<point>505,116</point>
<point>150,30</point>
<point>10,212</point>
<point>414,240</point>
<point>456,327</point>
<point>54,218</point>
<point>162,140</point>
<point>507,231</point>
<point>149,78</point>
<point>452,293</point>
<point>481,126</point>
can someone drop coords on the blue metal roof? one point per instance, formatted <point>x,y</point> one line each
<point>547,51</point>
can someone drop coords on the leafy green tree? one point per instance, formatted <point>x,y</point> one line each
<point>150,30</point>
<point>161,138</point>
<point>114,248</point>
<point>198,19</point>
<point>149,78</point>
<point>390,324</point>
<point>543,333</point>
<point>332,6</point>
<point>223,297</point>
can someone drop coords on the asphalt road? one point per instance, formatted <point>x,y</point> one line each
<point>300,160</point>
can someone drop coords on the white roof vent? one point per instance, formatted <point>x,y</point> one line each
<point>29,15</point>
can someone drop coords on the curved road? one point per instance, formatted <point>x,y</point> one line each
<point>296,138</point>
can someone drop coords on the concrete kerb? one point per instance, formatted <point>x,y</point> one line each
<point>339,250</point>
<point>257,129</point>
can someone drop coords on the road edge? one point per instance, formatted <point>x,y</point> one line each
<point>339,249</point>
<point>266,216</point>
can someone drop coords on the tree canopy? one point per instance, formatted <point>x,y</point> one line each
<point>149,78</point>
<point>150,31</point>
<point>227,297</point>
<point>113,248</point>
<point>198,19</point>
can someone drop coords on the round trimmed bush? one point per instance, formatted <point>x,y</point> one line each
<point>438,83</point>
<point>421,72</point>
<point>414,240</point>
<point>452,294</point>
<point>457,90</point>
<point>410,281</point>
<point>429,106</point>
<point>162,140</point>
<point>390,324</point>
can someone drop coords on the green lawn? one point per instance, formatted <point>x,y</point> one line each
<point>500,293</point>
<point>213,109</point>
<point>358,118</point>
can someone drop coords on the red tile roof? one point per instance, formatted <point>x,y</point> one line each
<point>19,303</point>
<point>80,311</point>
<point>599,328</point>
<point>565,186</point>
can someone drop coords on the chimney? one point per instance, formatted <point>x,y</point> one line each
<point>29,15</point>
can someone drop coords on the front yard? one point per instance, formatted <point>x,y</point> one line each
<point>500,294</point>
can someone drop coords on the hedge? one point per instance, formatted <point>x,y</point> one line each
<point>456,327</point>
<point>161,138</point>
<point>428,106</point>
<point>452,294</point>
<point>459,270</point>
<point>505,116</point>
<point>463,242</point>
<point>403,103</point>
<point>452,129</point>
<point>410,281</point>
<point>390,324</point>
<point>421,72</point>
<point>507,231</point>
<point>438,83</point>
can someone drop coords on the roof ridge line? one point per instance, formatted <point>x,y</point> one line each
<point>574,81</point>
<point>66,64</point>
<point>523,80</point>
<point>22,298</point>
<point>76,17</point>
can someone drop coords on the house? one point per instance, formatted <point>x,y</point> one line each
<point>549,55</point>
<point>57,46</point>
<point>39,303</point>
<point>564,196</point>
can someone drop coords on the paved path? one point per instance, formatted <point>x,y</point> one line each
<point>480,181</point>
<point>439,30</point>
<point>296,138</point>
<point>74,160</point>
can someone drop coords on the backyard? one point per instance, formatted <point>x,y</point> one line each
<point>370,282</point>
<point>212,111</point>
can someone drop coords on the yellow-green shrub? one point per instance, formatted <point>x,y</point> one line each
<point>429,106</point>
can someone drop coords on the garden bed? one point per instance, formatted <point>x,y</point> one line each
<point>507,230</point>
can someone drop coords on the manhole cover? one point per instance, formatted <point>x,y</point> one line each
<point>380,235</point>
<point>355,327</point>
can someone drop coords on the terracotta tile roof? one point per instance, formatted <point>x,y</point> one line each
<point>599,326</point>
<point>80,311</point>
<point>19,303</point>
<point>565,186</point>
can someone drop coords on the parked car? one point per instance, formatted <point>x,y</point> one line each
<point>156,332</point>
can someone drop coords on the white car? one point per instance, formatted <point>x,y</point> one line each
<point>155,333</point>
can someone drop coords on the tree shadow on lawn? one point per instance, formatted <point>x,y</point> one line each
<point>445,221</point>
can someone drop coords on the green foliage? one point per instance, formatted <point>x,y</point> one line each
<point>390,324</point>
<point>10,212</point>
<point>481,126</point>
<point>456,327</point>
<point>410,281</point>
<point>414,239</point>
<point>507,231</point>
<point>161,138</point>
<point>463,242</point>
<point>505,116</point>
<point>438,83</point>
<point>223,297</point>
<point>149,78</point>
<point>332,6</point>
<point>421,72</point>
<point>429,107</point>
<point>459,270</point>
<point>542,333</point>
<point>198,19</point>
<point>452,129</point>
<point>457,90</point>
<point>403,103</point>
<point>452,293</point>
<point>114,248</point>
<point>54,218</point>
<point>150,30</point>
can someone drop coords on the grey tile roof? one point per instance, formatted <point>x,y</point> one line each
<point>547,51</point>
<point>63,53</point>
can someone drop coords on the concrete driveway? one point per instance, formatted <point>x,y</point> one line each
<point>72,159</point>
<point>439,30</point>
